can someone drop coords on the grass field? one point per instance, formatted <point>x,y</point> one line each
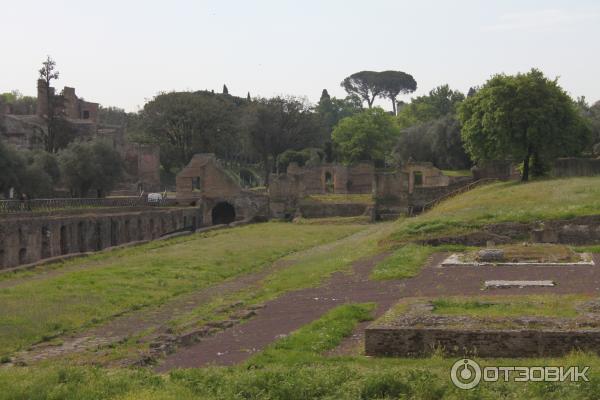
<point>504,202</point>
<point>109,284</point>
<point>341,198</point>
<point>89,291</point>
<point>294,368</point>
<point>498,307</point>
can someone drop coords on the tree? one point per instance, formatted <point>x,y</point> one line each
<point>436,141</point>
<point>440,102</point>
<point>394,83</point>
<point>278,124</point>
<point>225,90</point>
<point>11,163</point>
<point>332,110</point>
<point>368,135</point>
<point>365,84</point>
<point>112,116</point>
<point>90,165</point>
<point>186,123</point>
<point>48,73</point>
<point>525,117</point>
<point>19,104</point>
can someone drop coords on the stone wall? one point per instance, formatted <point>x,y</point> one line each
<point>568,167</point>
<point>27,239</point>
<point>502,170</point>
<point>326,210</point>
<point>206,183</point>
<point>575,231</point>
<point>411,342</point>
<point>322,179</point>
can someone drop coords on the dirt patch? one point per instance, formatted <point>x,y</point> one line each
<point>285,314</point>
<point>153,322</point>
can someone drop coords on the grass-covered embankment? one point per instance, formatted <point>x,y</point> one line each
<point>294,368</point>
<point>109,284</point>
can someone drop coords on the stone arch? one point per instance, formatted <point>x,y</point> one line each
<point>45,242</point>
<point>223,213</point>
<point>98,234</point>
<point>81,234</point>
<point>22,255</point>
<point>114,232</point>
<point>64,244</point>
<point>140,232</point>
<point>126,231</point>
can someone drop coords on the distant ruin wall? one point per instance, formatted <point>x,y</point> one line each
<point>569,167</point>
<point>28,239</point>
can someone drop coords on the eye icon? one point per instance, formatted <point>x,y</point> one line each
<point>465,374</point>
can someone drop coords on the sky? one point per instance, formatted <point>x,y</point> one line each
<point>122,53</point>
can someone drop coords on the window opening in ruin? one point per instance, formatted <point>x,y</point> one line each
<point>418,178</point>
<point>196,184</point>
<point>86,114</point>
<point>22,256</point>
<point>45,242</point>
<point>328,182</point>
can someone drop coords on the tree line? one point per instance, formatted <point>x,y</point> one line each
<point>527,118</point>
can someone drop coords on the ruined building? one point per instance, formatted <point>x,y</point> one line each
<point>142,162</point>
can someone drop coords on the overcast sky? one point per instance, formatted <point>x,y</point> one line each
<point>122,53</point>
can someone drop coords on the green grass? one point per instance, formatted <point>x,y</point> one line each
<point>511,306</point>
<point>407,261</point>
<point>294,369</point>
<point>341,198</point>
<point>309,269</point>
<point>309,342</point>
<point>457,172</point>
<point>504,202</point>
<point>361,219</point>
<point>113,283</point>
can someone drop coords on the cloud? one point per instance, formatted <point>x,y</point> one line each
<point>543,20</point>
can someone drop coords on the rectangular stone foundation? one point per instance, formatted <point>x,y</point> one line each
<point>418,342</point>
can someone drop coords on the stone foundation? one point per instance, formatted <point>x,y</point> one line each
<point>418,333</point>
<point>418,342</point>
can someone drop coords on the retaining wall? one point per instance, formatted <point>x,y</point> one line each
<point>26,239</point>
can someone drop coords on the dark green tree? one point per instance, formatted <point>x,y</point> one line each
<point>92,165</point>
<point>523,117</point>
<point>440,102</point>
<point>394,83</point>
<point>279,124</point>
<point>225,90</point>
<point>437,141</point>
<point>368,135</point>
<point>186,123</point>
<point>364,84</point>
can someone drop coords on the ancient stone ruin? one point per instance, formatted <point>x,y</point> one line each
<point>142,161</point>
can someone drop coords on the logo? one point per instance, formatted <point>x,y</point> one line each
<point>465,374</point>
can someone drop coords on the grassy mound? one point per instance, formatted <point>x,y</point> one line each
<point>505,202</point>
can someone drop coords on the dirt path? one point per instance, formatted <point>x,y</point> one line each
<point>284,315</point>
<point>289,312</point>
<point>151,321</point>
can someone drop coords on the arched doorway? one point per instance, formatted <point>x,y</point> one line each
<point>223,213</point>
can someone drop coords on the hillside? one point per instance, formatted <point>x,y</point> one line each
<point>506,201</point>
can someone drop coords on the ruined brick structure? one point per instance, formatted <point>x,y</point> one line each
<point>28,238</point>
<point>285,190</point>
<point>142,162</point>
<point>411,187</point>
<point>204,182</point>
